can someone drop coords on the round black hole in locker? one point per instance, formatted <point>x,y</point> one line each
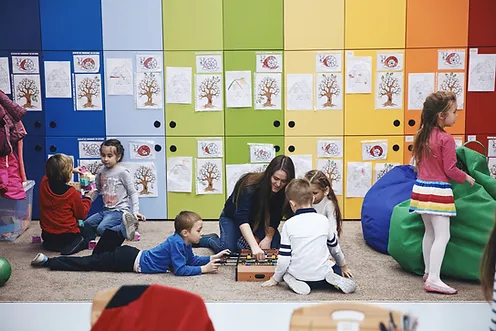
<point>37,148</point>
<point>277,123</point>
<point>53,124</point>
<point>157,124</point>
<point>158,148</point>
<point>173,148</point>
<point>396,148</point>
<point>410,147</point>
<point>37,124</point>
<point>411,122</point>
<point>396,123</point>
<point>291,124</point>
<point>172,124</point>
<point>291,148</point>
<point>53,149</point>
<point>277,148</point>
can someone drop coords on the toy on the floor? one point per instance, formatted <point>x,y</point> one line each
<point>470,228</point>
<point>5,271</point>
<point>87,179</point>
<point>394,187</point>
<point>248,268</point>
<point>36,239</point>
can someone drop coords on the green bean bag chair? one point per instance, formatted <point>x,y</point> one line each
<point>470,228</point>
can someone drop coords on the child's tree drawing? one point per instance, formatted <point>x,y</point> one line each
<point>209,89</point>
<point>148,87</point>
<point>93,166</point>
<point>145,177</point>
<point>387,168</point>
<point>328,88</point>
<point>451,83</point>
<point>89,88</point>
<point>27,89</point>
<point>209,173</point>
<point>267,89</point>
<point>331,170</point>
<point>389,87</point>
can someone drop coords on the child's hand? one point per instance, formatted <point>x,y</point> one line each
<point>91,194</point>
<point>220,254</point>
<point>270,282</point>
<point>470,180</point>
<point>346,271</point>
<point>210,267</point>
<point>140,217</point>
<point>77,171</point>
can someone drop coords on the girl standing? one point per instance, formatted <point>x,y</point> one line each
<point>432,196</point>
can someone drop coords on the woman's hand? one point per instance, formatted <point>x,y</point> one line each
<point>258,253</point>
<point>265,243</point>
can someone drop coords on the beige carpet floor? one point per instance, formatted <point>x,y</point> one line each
<point>378,276</point>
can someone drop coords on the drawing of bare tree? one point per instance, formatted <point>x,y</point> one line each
<point>385,170</point>
<point>267,89</point>
<point>89,88</point>
<point>328,88</point>
<point>389,87</point>
<point>145,177</point>
<point>93,166</point>
<point>27,89</point>
<point>331,169</point>
<point>209,172</point>
<point>451,83</point>
<point>149,87</point>
<point>209,89</point>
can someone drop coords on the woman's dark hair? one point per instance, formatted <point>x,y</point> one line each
<point>118,147</point>
<point>261,181</point>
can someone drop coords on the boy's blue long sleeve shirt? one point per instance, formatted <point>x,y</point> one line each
<point>172,255</point>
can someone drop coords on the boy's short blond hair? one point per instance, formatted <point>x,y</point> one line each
<point>58,168</point>
<point>299,191</point>
<point>185,221</point>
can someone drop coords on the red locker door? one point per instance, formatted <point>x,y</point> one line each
<point>481,22</point>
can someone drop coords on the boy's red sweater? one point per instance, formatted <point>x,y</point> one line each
<point>60,213</point>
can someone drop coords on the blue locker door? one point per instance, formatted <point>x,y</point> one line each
<point>34,119</point>
<point>34,154</point>
<point>70,147</point>
<point>20,25</point>
<point>121,113</point>
<point>132,25</point>
<point>67,25</point>
<point>61,118</point>
<point>152,207</point>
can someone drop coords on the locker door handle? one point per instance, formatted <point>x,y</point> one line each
<point>173,148</point>
<point>37,124</point>
<point>410,147</point>
<point>291,148</point>
<point>37,148</point>
<point>396,148</point>
<point>291,124</point>
<point>53,124</point>
<point>411,122</point>
<point>277,148</point>
<point>172,124</point>
<point>53,149</point>
<point>158,148</point>
<point>396,123</point>
<point>157,124</point>
<point>277,123</point>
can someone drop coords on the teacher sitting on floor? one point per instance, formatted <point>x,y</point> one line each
<point>253,211</point>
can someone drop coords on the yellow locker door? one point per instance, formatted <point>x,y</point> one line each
<point>366,159</point>
<point>329,160</point>
<point>314,93</point>
<point>379,108</point>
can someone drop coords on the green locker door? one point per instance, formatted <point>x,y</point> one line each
<point>249,121</point>
<point>182,119</point>
<point>253,24</point>
<point>209,206</point>
<point>192,24</point>
<point>238,150</point>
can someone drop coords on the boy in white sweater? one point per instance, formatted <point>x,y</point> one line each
<point>306,240</point>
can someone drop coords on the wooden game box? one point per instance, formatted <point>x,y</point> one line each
<point>248,269</point>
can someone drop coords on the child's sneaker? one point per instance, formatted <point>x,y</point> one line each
<point>40,260</point>
<point>344,284</point>
<point>130,223</point>
<point>296,285</point>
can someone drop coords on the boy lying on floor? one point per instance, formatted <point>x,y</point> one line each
<point>174,254</point>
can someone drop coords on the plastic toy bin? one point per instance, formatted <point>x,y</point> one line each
<point>15,215</point>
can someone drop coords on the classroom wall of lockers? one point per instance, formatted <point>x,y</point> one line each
<point>317,110</point>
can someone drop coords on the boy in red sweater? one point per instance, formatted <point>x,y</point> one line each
<point>61,206</point>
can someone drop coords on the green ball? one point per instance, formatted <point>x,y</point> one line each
<point>5,271</point>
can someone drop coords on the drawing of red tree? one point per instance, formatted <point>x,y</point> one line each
<point>329,87</point>
<point>149,87</point>
<point>451,83</point>
<point>267,89</point>
<point>385,170</point>
<point>209,172</point>
<point>209,89</point>
<point>27,89</point>
<point>89,88</point>
<point>389,87</point>
<point>145,177</point>
<point>331,169</point>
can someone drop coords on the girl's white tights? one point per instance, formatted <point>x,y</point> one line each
<point>436,238</point>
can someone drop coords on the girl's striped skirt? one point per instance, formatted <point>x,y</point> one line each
<point>435,198</point>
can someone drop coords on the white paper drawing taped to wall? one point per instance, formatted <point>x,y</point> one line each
<point>25,64</point>
<point>268,91</point>
<point>269,62</point>
<point>89,149</point>
<point>142,150</point>
<point>329,91</point>
<point>88,92</point>
<point>86,62</point>
<point>389,61</point>
<point>302,164</point>
<point>420,85</point>
<point>180,174</point>
<point>358,179</point>
<point>330,148</point>
<point>208,63</point>
<point>238,89</point>
<point>178,85</point>
<point>5,75</point>
<point>374,150</point>
<point>452,82</point>
<point>58,79</point>
<point>481,75</point>
<point>210,147</point>
<point>389,90</point>
<point>261,153</point>
<point>144,176</point>
<point>333,169</point>
<point>208,93</point>
<point>383,168</point>
<point>358,74</point>
<point>149,63</point>
<point>208,176</point>
<point>450,59</point>
<point>120,80</point>
<point>328,62</point>
<point>149,91</point>
<point>27,91</point>
<point>299,91</point>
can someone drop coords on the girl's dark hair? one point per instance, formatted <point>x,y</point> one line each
<point>261,182</point>
<point>435,103</point>
<point>118,147</point>
<point>487,266</point>
<point>318,178</point>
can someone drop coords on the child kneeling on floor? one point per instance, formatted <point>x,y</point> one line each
<point>306,240</point>
<point>174,254</point>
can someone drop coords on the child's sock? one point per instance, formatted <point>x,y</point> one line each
<point>40,260</point>
<point>296,285</point>
<point>344,284</point>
